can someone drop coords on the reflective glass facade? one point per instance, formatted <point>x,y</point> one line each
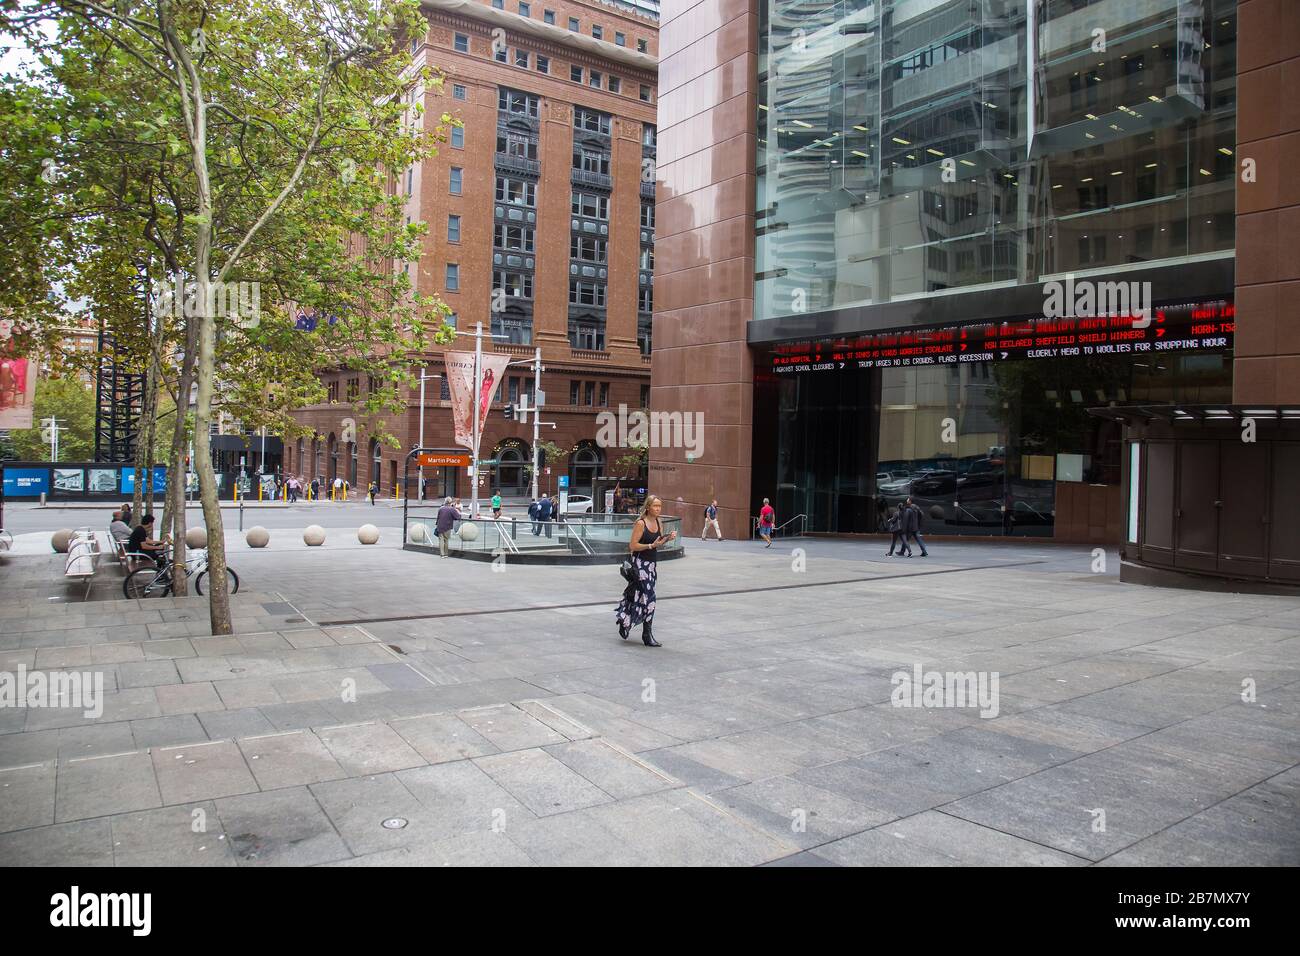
<point>908,147</point>
<point>942,150</point>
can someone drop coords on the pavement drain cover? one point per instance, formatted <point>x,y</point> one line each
<point>394,823</point>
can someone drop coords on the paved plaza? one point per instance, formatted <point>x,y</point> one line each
<point>497,717</point>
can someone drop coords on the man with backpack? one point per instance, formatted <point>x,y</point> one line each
<point>711,521</point>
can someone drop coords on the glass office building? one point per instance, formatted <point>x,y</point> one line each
<point>925,171</point>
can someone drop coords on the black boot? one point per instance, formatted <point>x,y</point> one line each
<point>624,630</point>
<point>648,636</point>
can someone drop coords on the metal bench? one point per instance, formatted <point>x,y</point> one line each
<point>83,558</point>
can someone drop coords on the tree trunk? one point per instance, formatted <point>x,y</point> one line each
<point>176,470</point>
<point>149,428</point>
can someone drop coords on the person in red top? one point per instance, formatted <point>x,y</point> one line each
<point>766,519</point>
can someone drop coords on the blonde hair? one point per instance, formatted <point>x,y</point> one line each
<point>645,508</point>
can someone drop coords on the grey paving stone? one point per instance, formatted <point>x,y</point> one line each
<point>226,724</point>
<point>795,811</point>
<point>188,698</point>
<point>543,784</point>
<point>614,772</point>
<point>463,798</point>
<point>99,786</point>
<point>509,728</point>
<point>358,807</point>
<point>289,759</point>
<point>280,828</point>
<point>297,716</point>
<point>442,737</point>
<point>92,740</point>
<point>83,843</point>
<point>369,748</point>
<point>167,731</point>
<point>147,673</point>
<point>171,836</point>
<point>201,771</point>
<point>27,796</point>
<point>690,772</point>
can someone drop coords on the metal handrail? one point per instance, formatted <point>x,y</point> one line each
<point>803,527</point>
<point>503,534</point>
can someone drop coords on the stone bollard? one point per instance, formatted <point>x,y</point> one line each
<point>418,534</point>
<point>368,534</point>
<point>313,536</point>
<point>60,539</point>
<point>258,537</point>
<point>468,532</point>
<point>196,538</point>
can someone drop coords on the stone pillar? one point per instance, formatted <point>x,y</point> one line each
<point>704,254</point>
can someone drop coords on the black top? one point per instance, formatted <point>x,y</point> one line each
<point>649,537</point>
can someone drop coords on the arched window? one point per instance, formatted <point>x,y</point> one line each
<point>585,465</point>
<point>352,463</point>
<point>513,470</point>
<point>376,462</point>
<point>333,446</point>
<point>298,461</point>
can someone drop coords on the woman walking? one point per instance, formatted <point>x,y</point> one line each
<point>638,604</point>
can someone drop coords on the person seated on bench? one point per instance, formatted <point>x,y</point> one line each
<point>141,543</point>
<point>119,529</point>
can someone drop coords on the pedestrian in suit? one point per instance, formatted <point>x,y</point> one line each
<point>544,514</point>
<point>913,525</point>
<point>533,510</point>
<point>894,525</point>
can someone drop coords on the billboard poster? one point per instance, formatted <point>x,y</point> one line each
<point>464,402</point>
<point>103,480</point>
<point>17,382</point>
<point>159,480</point>
<point>26,482</point>
<point>69,479</point>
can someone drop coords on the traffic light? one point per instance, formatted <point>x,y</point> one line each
<point>510,412</point>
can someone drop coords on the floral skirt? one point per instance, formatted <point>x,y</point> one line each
<point>638,604</point>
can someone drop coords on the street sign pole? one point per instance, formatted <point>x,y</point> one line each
<point>476,398</point>
<point>537,411</point>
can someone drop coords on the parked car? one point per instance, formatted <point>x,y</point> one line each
<point>578,505</point>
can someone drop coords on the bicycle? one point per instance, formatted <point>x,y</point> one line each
<point>157,581</point>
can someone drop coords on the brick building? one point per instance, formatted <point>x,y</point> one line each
<point>557,98</point>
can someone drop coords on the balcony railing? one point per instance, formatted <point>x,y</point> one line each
<point>591,355</point>
<point>596,180</point>
<point>518,164</point>
<point>647,190</point>
<point>507,348</point>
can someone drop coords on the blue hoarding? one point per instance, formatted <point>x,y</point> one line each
<point>26,482</point>
<point>159,480</point>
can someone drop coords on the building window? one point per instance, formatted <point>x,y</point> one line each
<point>589,393</point>
<point>575,74</point>
<point>604,394</point>
<point>614,84</point>
<point>591,161</point>
<point>444,390</point>
<point>548,16</point>
<point>649,136</point>
<point>645,396</point>
<point>647,258</point>
<point>517,192</point>
<point>586,293</point>
<point>645,93</point>
<point>453,228</point>
<point>453,277</point>
<point>514,144</point>
<point>597,33</point>
<point>514,101</point>
<point>517,330</point>
<point>456,176</point>
<point>645,299</point>
<point>574,25</point>
<point>331,392</point>
<point>620,39</point>
<point>410,180</point>
<point>524,10</point>
<point>521,59</point>
<point>596,79</point>
<point>590,120</point>
<point>647,215</point>
<point>498,4</point>
<point>461,43</point>
<point>458,137</point>
<point>587,248</point>
<point>458,92</point>
<point>574,389</point>
<point>517,285</point>
<point>543,64</point>
<point>501,55</point>
<point>589,205</point>
<point>516,238</point>
<point>642,46</point>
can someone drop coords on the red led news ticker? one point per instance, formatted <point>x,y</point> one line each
<point>1185,327</point>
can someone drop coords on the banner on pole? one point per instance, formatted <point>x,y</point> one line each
<point>460,383</point>
<point>17,382</point>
